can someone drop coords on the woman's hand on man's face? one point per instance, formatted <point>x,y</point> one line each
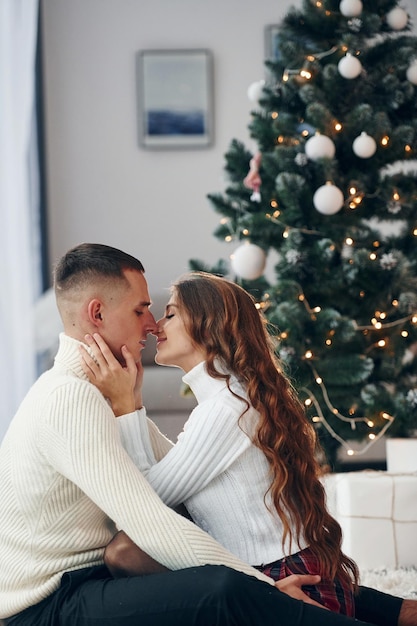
<point>121,385</point>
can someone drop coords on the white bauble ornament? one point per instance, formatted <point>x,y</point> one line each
<point>397,18</point>
<point>412,72</point>
<point>364,146</point>
<point>255,90</point>
<point>248,261</point>
<point>349,66</point>
<point>328,199</point>
<point>320,147</point>
<point>351,8</point>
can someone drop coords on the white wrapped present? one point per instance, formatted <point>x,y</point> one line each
<point>378,515</point>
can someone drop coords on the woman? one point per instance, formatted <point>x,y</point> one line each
<point>245,465</point>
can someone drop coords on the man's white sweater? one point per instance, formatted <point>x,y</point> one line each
<point>67,484</point>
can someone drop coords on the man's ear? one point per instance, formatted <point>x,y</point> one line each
<point>95,308</point>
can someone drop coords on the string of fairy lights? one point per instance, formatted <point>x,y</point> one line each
<point>311,399</point>
<point>377,323</point>
<point>349,67</point>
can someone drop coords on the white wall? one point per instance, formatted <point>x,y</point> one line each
<point>101,185</point>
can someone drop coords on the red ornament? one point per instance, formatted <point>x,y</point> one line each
<point>253,180</point>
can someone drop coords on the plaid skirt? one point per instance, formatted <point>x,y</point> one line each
<point>333,594</point>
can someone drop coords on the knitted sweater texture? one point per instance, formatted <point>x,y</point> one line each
<point>216,470</point>
<point>67,484</point>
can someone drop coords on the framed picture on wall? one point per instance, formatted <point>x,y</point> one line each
<point>174,95</point>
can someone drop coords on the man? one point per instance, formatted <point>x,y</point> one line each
<point>67,485</point>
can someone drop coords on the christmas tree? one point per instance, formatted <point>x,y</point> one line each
<point>331,189</point>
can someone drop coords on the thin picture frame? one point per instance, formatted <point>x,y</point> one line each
<point>175,98</point>
<point>271,41</point>
<point>273,35</point>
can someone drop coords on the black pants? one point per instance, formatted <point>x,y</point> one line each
<point>203,596</point>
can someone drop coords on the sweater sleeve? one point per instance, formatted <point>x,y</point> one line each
<point>80,439</point>
<point>134,427</point>
<point>210,442</point>
<point>152,445</point>
<point>161,445</point>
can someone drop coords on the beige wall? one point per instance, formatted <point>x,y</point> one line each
<point>103,187</point>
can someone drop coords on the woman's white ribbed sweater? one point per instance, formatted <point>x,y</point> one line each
<point>216,470</point>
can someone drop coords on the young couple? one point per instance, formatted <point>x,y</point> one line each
<point>244,467</point>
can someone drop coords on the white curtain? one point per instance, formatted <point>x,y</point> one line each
<point>20,264</point>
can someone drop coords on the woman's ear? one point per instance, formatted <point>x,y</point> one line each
<point>95,308</point>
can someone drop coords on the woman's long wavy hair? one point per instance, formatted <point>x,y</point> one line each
<point>222,317</point>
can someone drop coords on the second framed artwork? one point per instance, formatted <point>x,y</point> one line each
<point>175,98</point>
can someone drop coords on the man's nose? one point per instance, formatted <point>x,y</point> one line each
<point>151,323</point>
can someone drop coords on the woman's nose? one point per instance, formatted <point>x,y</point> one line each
<point>159,325</point>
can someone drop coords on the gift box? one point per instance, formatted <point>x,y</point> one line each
<point>378,515</point>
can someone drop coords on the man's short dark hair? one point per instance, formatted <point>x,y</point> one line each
<point>88,261</point>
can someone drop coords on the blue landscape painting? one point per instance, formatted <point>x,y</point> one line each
<point>168,122</point>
